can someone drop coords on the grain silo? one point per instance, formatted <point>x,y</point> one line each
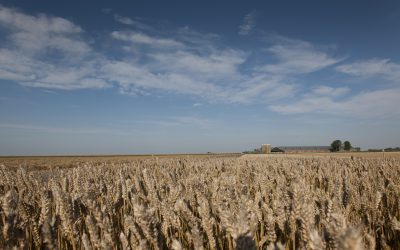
<point>266,148</point>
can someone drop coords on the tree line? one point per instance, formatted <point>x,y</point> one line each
<point>337,145</point>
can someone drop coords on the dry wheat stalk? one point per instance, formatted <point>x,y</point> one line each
<point>201,203</point>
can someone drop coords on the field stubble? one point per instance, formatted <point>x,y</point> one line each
<point>276,202</point>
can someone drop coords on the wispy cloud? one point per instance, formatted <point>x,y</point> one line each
<point>183,61</point>
<point>264,87</point>
<point>124,20</point>
<point>133,22</point>
<point>214,65</point>
<point>369,104</point>
<point>48,52</point>
<point>54,53</point>
<point>38,33</point>
<point>133,77</point>
<point>198,41</point>
<point>373,68</point>
<point>330,91</point>
<point>298,57</point>
<point>249,23</point>
<point>62,130</point>
<point>189,64</point>
<point>181,121</point>
<point>141,38</point>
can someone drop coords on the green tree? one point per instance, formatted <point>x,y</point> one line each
<point>336,145</point>
<point>347,145</point>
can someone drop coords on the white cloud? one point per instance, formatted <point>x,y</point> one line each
<point>198,67</point>
<point>298,57</point>
<point>181,121</point>
<point>135,77</point>
<point>85,83</point>
<point>46,52</point>
<point>17,67</point>
<point>133,22</point>
<point>373,67</point>
<point>306,105</point>
<point>14,19</point>
<point>35,34</point>
<point>29,71</point>
<point>214,76</point>
<point>198,41</point>
<point>52,53</point>
<point>124,20</point>
<point>182,62</point>
<point>263,87</point>
<point>249,23</point>
<point>217,64</point>
<point>378,103</point>
<point>329,91</point>
<point>62,130</point>
<point>137,38</point>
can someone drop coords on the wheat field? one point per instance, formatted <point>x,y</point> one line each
<point>203,203</point>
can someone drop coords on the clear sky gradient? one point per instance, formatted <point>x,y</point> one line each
<point>134,77</point>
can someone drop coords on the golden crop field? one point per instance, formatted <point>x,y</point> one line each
<point>354,155</point>
<point>186,202</point>
<point>31,163</point>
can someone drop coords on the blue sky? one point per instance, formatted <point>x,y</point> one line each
<point>136,77</point>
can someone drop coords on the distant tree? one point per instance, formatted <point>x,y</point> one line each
<point>392,149</point>
<point>336,145</point>
<point>374,150</point>
<point>347,146</point>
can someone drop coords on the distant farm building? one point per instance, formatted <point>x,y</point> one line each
<point>265,148</point>
<point>301,149</point>
<point>277,150</point>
